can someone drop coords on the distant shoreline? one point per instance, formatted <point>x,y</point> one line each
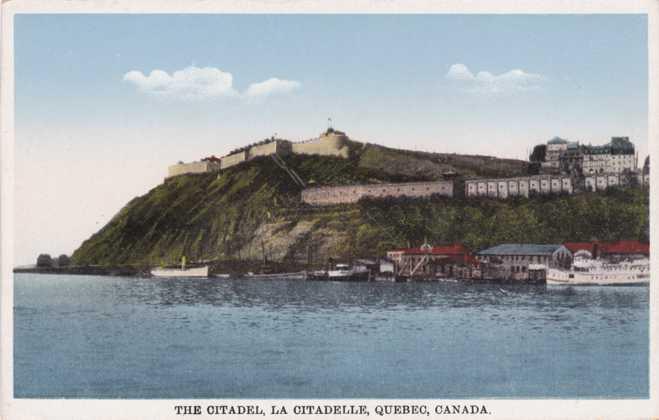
<point>85,270</point>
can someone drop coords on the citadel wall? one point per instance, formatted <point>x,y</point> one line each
<point>281,147</point>
<point>321,196</point>
<point>524,186</point>
<point>192,168</point>
<point>327,144</point>
<point>234,159</point>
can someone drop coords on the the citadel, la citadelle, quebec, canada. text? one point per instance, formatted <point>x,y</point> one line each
<point>343,215</point>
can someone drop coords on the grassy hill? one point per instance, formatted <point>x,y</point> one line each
<point>253,211</point>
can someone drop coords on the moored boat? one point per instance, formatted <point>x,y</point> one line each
<point>187,272</point>
<point>198,271</point>
<point>302,275</point>
<point>343,272</point>
<point>601,273</point>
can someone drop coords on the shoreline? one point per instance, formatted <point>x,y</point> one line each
<point>87,270</point>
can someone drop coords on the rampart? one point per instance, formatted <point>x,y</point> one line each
<point>603,181</point>
<point>192,168</point>
<point>329,144</point>
<point>521,186</point>
<point>280,147</point>
<point>234,159</point>
<point>321,196</point>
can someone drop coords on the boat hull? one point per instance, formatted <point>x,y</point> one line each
<point>575,278</point>
<point>348,277</point>
<point>193,272</point>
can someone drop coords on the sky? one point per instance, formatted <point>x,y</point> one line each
<point>104,103</point>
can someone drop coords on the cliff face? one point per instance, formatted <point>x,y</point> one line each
<point>253,211</point>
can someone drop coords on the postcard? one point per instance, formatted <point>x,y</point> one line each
<point>305,210</point>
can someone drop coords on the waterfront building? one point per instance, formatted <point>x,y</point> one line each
<point>519,186</point>
<point>430,261</point>
<point>512,261</point>
<point>323,196</point>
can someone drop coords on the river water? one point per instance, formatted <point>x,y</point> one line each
<point>110,337</point>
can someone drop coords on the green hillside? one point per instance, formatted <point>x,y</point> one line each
<point>252,212</point>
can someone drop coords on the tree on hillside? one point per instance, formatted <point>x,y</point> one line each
<point>63,260</point>
<point>44,260</point>
<point>538,154</point>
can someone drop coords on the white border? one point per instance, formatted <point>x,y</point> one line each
<point>163,409</point>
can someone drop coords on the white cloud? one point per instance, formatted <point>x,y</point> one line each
<point>189,83</point>
<point>486,82</point>
<point>270,87</point>
<point>194,83</point>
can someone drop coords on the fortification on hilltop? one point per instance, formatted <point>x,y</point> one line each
<point>330,143</point>
<point>209,164</point>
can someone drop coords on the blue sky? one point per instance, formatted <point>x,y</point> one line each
<point>91,117</point>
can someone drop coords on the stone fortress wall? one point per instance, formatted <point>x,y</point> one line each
<point>281,147</point>
<point>234,159</point>
<point>333,143</point>
<point>328,144</point>
<point>601,182</point>
<point>323,196</point>
<point>519,186</point>
<point>192,168</point>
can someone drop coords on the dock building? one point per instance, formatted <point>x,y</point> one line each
<point>430,261</point>
<point>512,261</point>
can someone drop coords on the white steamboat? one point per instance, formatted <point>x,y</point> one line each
<point>587,271</point>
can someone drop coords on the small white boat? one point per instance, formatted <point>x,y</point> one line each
<point>302,275</point>
<point>188,272</point>
<point>343,272</point>
<point>601,273</point>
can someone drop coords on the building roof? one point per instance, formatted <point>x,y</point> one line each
<point>626,247</point>
<point>557,140</point>
<point>521,249</point>
<point>578,246</point>
<point>619,247</point>
<point>455,249</point>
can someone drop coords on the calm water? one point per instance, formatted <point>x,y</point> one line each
<point>104,337</point>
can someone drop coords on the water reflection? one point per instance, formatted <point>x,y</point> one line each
<point>102,337</point>
<point>318,296</point>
